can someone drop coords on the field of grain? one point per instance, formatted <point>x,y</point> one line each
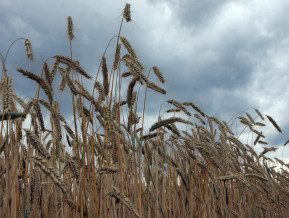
<point>102,162</point>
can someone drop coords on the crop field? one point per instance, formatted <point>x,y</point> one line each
<point>100,161</point>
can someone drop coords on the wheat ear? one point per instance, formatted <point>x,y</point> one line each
<point>120,196</point>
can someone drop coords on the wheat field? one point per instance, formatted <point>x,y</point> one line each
<point>102,162</point>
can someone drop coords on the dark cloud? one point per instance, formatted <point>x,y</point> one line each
<point>225,56</point>
<point>194,13</point>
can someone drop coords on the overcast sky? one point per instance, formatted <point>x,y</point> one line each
<point>225,56</point>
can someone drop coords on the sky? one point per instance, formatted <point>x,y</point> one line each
<point>225,56</point>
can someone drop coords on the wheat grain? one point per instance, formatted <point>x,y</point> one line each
<point>117,194</point>
<point>51,172</point>
<point>73,64</point>
<point>266,150</point>
<point>54,70</point>
<point>199,118</point>
<point>100,91</point>
<point>44,85</point>
<point>69,131</point>
<point>274,123</point>
<point>39,115</point>
<point>129,95</point>
<point>47,73</point>
<point>262,142</point>
<point>6,89</point>
<point>259,114</point>
<point>134,65</point>
<point>107,170</point>
<point>195,108</point>
<point>169,121</point>
<point>153,86</point>
<point>174,110</point>
<point>105,76</point>
<point>259,124</point>
<point>117,56</point>
<point>29,52</point>
<point>178,105</point>
<point>35,142</point>
<point>127,13</point>
<point>128,46</point>
<point>250,118</point>
<point>257,139</point>
<point>70,28</point>
<point>159,75</point>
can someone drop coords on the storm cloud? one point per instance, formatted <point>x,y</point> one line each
<point>225,56</point>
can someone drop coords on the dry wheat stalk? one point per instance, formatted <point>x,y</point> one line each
<point>117,194</point>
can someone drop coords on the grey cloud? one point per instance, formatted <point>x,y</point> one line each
<point>194,13</point>
<point>215,65</point>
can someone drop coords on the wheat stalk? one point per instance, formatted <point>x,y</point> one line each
<point>117,194</point>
